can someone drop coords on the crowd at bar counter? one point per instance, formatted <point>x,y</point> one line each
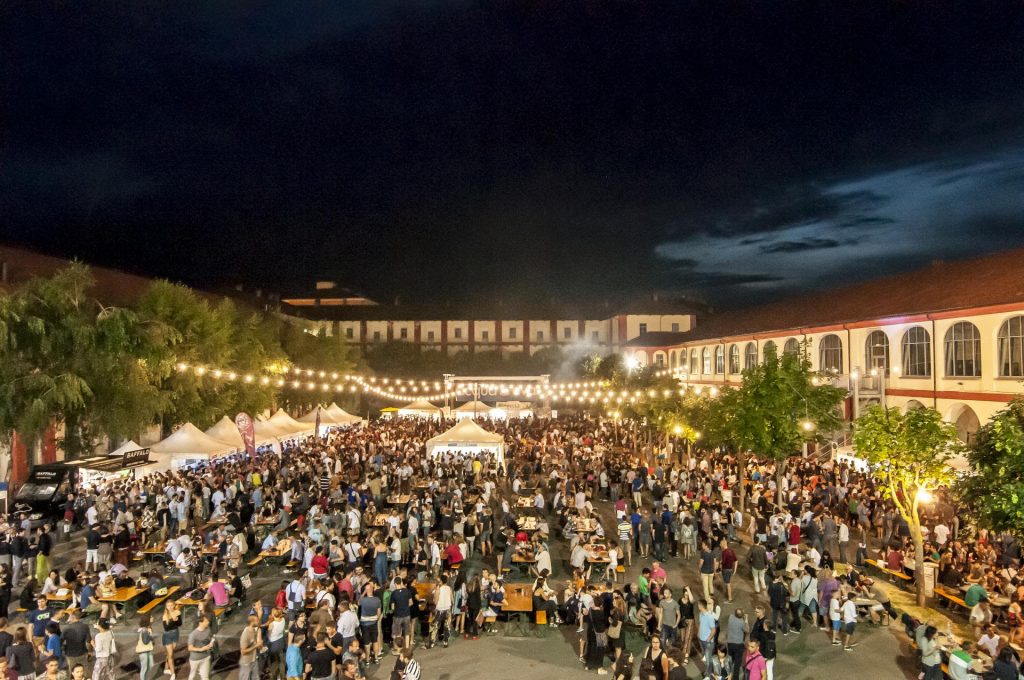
<point>346,554</point>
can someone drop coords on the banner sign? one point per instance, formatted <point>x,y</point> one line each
<point>133,458</point>
<point>247,428</point>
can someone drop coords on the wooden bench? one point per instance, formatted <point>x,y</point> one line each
<point>951,597</point>
<point>157,601</point>
<point>885,570</point>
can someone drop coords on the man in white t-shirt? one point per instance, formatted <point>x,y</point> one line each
<point>849,612</point>
<point>444,599</point>
<point>941,533</point>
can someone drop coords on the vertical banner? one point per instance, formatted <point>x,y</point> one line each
<point>316,432</point>
<point>246,428</point>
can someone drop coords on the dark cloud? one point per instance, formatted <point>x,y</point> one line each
<point>485,147</point>
<point>809,243</point>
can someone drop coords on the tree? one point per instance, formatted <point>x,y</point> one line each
<point>199,333</point>
<point>778,407</point>
<point>65,359</point>
<point>910,451</point>
<point>994,490</point>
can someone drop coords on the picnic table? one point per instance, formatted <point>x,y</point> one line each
<point>597,555</point>
<point>586,525</point>
<point>528,524</point>
<point>124,596</point>
<point>518,601</point>
<point>378,520</point>
<point>524,502</point>
<point>1000,601</point>
<point>399,499</point>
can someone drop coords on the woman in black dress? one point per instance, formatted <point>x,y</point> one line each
<point>597,639</point>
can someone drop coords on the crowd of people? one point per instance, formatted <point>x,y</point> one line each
<point>384,549</point>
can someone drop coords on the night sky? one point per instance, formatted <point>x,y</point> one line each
<point>574,150</point>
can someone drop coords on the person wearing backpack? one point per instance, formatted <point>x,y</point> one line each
<point>754,663</point>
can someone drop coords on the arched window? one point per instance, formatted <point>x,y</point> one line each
<point>672,359</point>
<point>719,360</point>
<point>705,357</point>
<point>830,354</point>
<point>734,359</point>
<point>876,351</point>
<point>694,366</point>
<point>659,359</point>
<point>751,355</point>
<point>791,348</point>
<point>1011,348</point>
<point>768,345</point>
<point>963,350</point>
<point>916,348</point>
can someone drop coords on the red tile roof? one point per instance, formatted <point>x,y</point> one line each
<point>112,286</point>
<point>995,279</point>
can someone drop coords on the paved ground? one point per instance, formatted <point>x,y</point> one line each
<point>882,653</point>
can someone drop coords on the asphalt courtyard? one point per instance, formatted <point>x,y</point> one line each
<point>882,653</point>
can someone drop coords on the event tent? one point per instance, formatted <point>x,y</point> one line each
<point>189,444</point>
<point>286,422</point>
<point>226,431</point>
<point>267,431</point>
<point>420,409</point>
<point>331,415</point>
<point>128,446</point>
<point>473,409</point>
<point>343,417</point>
<point>468,437</point>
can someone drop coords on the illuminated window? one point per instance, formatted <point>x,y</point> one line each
<point>694,366</point>
<point>830,354</point>
<point>916,348</point>
<point>963,350</point>
<point>876,349</point>
<point>791,348</point>
<point>705,358</point>
<point>734,359</point>
<point>1011,348</point>
<point>750,355</point>
<point>719,360</point>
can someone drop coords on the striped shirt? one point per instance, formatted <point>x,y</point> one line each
<point>412,670</point>
<point>625,528</point>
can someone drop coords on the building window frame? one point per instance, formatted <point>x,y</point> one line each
<point>916,352</point>
<point>719,360</point>
<point>1010,347</point>
<point>705,361</point>
<point>962,350</point>
<point>830,354</point>
<point>734,359</point>
<point>876,351</point>
<point>750,355</point>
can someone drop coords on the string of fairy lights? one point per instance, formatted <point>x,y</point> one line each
<point>409,390</point>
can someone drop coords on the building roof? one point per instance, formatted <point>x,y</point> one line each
<point>943,286</point>
<point>112,286</point>
<point>489,309</point>
<point>658,339</point>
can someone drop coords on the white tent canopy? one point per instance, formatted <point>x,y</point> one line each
<point>343,417</point>
<point>420,409</point>
<point>189,444</point>
<point>473,409</point>
<point>129,445</point>
<point>226,431</point>
<point>266,431</point>
<point>331,415</point>
<point>470,438</point>
<point>286,422</point>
